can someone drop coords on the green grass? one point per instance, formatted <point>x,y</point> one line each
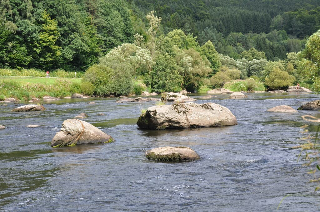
<point>38,80</point>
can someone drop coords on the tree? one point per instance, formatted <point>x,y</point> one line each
<point>253,54</point>
<point>212,55</point>
<point>278,79</point>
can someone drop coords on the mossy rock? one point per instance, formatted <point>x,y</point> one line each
<point>172,154</point>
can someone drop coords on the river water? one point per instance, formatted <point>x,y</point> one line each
<point>247,167</point>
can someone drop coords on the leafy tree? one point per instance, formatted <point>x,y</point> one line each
<point>253,54</point>
<point>212,55</point>
<point>278,79</point>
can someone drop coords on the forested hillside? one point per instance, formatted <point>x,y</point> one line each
<point>51,34</point>
<point>272,26</point>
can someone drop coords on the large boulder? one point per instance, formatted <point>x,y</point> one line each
<point>75,131</point>
<point>282,109</point>
<point>172,154</point>
<point>27,108</point>
<point>186,115</point>
<point>314,105</point>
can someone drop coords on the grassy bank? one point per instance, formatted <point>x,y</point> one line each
<point>27,84</point>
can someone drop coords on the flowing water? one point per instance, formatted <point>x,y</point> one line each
<point>247,167</point>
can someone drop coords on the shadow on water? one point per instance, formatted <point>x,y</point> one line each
<point>78,149</point>
<point>115,122</point>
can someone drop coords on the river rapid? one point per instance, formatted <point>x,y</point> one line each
<point>247,167</point>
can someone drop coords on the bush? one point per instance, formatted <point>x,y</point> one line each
<point>87,88</point>
<point>278,79</point>
<point>137,89</point>
<point>245,85</point>
<point>107,81</point>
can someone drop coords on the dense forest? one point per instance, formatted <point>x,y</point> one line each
<point>183,44</point>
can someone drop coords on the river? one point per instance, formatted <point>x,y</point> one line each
<point>247,167</point>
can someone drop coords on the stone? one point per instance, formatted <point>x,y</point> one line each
<point>176,97</point>
<point>33,126</point>
<point>81,116</point>
<point>8,100</point>
<point>314,105</point>
<point>238,95</point>
<point>138,99</point>
<point>283,109</point>
<point>145,93</point>
<point>76,132</point>
<point>50,98</point>
<point>2,127</point>
<point>172,154</point>
<point>220,91</point>
<point>298,89</point>
<point>27,108</point>
<point>186,115</point>
<point>77,96</point>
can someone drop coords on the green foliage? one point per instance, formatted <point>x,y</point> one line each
<point>247,85</point>
<point>253,54</point>
<point>212,55</point>
<point>223,76</point>
<point>165,76</point>
<point>108,81</point>
<point>87,88</point>
<point>278,79</point>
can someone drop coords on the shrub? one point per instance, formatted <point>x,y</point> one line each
<point>278,79</point>
<point>137,89</point>
<point>107,81</point>
<point>87,88</point>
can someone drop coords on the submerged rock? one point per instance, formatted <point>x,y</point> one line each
<point>75,132</point>
<point>33,126</point>
<point>27,108</point>
<point>81,116</point>
<point>314,105</point>
<point>172,154</point>
<point>282,109</point>
<point>138,99</point>
<point>186,115</point>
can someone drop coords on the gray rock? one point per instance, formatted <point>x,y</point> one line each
<point>172,154</point>
<point>176,97</point>
<point>219,91</point>
<point>314,105</point>
<point>186,115</point>
<point>33,126</point>
<point>27,108</point>
<point>77,96</point>
<point>238,95</point>
<point>138,99</point>
<point>75,132</point>
<point>282,109</point>
<point>81,116</point>
<point>298,89</point>
<point>49,98</point>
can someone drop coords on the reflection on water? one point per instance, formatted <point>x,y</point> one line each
<point>247,167</point>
